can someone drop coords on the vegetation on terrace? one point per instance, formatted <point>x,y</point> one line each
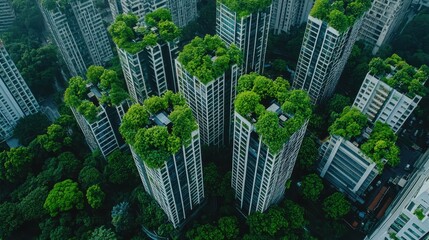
<point>340,14</point>
<point>400,75</point>
<point>52,4</point>
<point>132,37</point>
<point>108,82</point>
<point>255,91</point>
<point>379,146</point>
<point>208,58</point>
<point>244,8</point>
<point>154,143</point>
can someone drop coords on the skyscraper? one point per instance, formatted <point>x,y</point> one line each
<point>269,125</point>
<point>98,104</point>
<point>16,99</point>
<point>289,13</point>
<point>355,154</point>
<point>328,40</point>
<point>207,72</point>
<point>382,20</point>
<point>407,217</point>
<point>248,29</point>
<point>147,55</point>
<point>7,14</point>
<point>78,31</point>
<point>391,91</point>
<point>165,144</point>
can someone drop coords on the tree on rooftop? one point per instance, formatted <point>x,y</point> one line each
<point>136,117</point>
<point>94,73</point>
<point>349,124</point>
<point>244,8</point>
<point>75,92</point>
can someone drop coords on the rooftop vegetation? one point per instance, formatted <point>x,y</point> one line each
<point>245,8</point>
<point>208,58</point>
<point>133,37</point>
<point>52,4</point>
<point>419,213</point>
<point>112,91</point>
<point>255,91</point>
<point>155,143</point>
<point>380,144</point>
<point>340,14</point>
<point>400,75</point>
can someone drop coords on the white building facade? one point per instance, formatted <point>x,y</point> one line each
<point>16,99</point>
<point>7,14</point>
<point>380,102</point>
<point>248,33</point>
<point>324,53</point>
<point>289,13</point>
<point>78,31</point>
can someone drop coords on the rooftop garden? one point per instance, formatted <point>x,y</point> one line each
<point>419,213</point>
<point>245,8</point>
<point>52,4</point>
<point>400,75</point>
<point>156,143</point>
<point>256,92</point>
<point>208,58</point>
<point>340,14</point>
<point>133,37</point>
<point>379,146</point>
<point>112,91</point>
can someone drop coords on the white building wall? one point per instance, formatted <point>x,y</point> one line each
<point>289,13</point>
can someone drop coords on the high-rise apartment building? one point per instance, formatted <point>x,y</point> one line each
<point>78,31</point>
<point>7,14</point>
<point>207,72</point>
<point>353,157</point>
<point>182,11</point>
<point>248,29</point>
<point>16,99</point>
<point>268,132</point>
<point>391,91</point>
<point>147,57</point>
<point>169,166</point>
<point>407,217</point>
<point>289,13</point>
<point>328,41</point>
<point>382,20</point>
<point>98,108</point>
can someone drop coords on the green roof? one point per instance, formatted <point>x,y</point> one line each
<point>257,92</point>
<point>132,37</point>
<point>400,75</point>
<point>112,92</point>
<point>245,8</point>
<point>156,139</point>
<point>208,58</point>
<point>340,14</point>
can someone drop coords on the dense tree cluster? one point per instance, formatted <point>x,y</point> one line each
<point>341,14</point>
<point>311,186</point>
<point>132,37</point>
<point>225,229</point>
<point>255,91</point>
<point>350,123</point>
<point>244,8</point>
<point>336,206</point>
<point>155,143</point>
<point>208,58</point>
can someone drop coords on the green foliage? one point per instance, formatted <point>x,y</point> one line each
<point>340,14</point>
<point>312,186</point>
<point>131,37</point>
<point>419,213</point>
<point>120,168</point>
<point>336,105</point>
<point>121,216</point>
<point>255,90</point>
<point>95,196</point>
<point>75,92</point>
<point>279,65</point>
<point>204,232</point>
<point>308,153</point>
<point>88,110</point>
<point>269,223</point>
<point>381,145</point>
<point>94,73</point>
<point>27,128</point>
<point>294,215</point>
<point>208,58</point>
<point>152,145</point>
<point>244,8</point>
<point>55,138</point>
<point>52,4</point>
<point>349,124</point>
<point>336,206</point>
<point>226,229</point>
<point>10,219</point>
<point>15,163</point>
<point>150,213</point>
<point>64,196</point>
<point>136,117</point>
<point>229,227</point>
<point>155,104</point>
<point>31,206</point>
<point>102,233</point>
<point>89,176</point>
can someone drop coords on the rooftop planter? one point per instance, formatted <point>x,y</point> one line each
<point>256,92</point>
<point>112,91</point>
<point>400,75</point>
<point>244,8</point>
<point>156,143</point>
<point>340,14</point>
<point>133,37</point>
<point>208,58</point>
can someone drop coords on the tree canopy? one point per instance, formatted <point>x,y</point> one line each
<point>311,186</point>
<point>336,206</point>
<point>350,123</point>
<point>308,153</point>
<point>64,196</point>
<point>208,58</point>
<point>269,223</point>
<point>244,8</point>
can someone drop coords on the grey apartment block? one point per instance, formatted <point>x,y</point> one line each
<point>249,34</point>
<point>324,53</point>
<point>289,13</point>
<point>78,31</point>
<point>7,14</point>
<point>16,99</point>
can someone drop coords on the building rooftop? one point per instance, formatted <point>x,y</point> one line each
<point>245,8</point>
